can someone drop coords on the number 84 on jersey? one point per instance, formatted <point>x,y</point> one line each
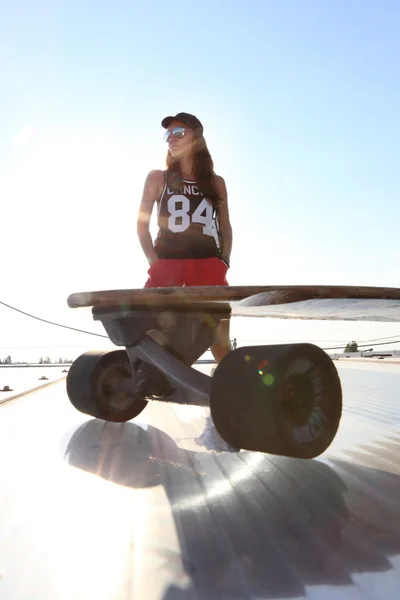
<point>180,220</point>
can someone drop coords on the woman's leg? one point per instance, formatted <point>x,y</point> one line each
<point>194,272</point>
<point>214,274</point>
<point>222,346</point>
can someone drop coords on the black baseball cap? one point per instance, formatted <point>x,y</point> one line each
<point>186,118</point>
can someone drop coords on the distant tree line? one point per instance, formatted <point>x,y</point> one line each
<point>6,361</point>
<point>48,361</point>
<point>42,361</point>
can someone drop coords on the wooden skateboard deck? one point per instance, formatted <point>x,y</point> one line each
<point>308,302</point>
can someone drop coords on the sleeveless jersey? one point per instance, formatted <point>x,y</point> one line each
<point>188,224</point>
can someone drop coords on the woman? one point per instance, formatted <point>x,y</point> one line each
<point>194,241</point>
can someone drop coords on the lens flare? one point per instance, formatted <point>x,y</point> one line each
<point>261,365</point>
<point>268,379</point>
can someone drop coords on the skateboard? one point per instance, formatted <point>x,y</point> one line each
<point>283,399</point>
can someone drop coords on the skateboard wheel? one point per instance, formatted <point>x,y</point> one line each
<point>283,399</point>
<point>92,386</point>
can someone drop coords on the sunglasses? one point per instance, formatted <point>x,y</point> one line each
<point>177,132</point>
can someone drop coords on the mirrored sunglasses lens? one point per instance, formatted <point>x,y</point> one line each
<point>178,132</point>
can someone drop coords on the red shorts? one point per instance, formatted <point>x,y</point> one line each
<point>178,272</point>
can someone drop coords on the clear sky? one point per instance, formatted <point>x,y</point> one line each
<point>299,101</point>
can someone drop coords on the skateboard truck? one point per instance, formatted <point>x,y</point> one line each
<point>114,384</point>
<point>283,399</point>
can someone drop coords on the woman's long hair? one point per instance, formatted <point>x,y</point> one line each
<point>203,171</point>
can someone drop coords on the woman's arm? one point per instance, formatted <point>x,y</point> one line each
<point>152,190</point>
<point>223,215</point>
